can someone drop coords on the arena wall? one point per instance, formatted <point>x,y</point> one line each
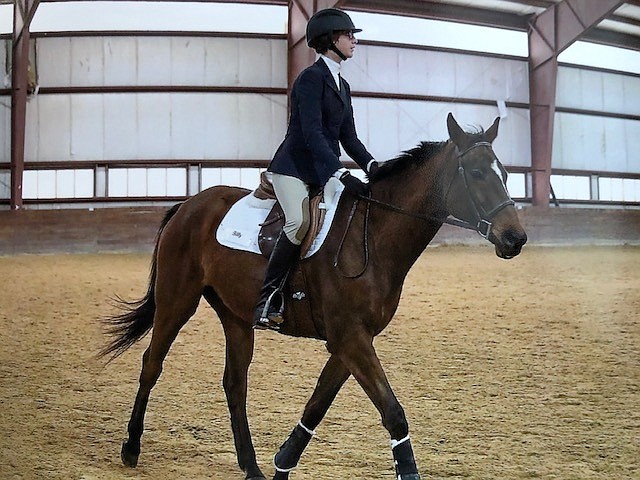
<point>134,229</point>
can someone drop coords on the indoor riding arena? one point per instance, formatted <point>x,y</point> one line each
<point>510,369</point>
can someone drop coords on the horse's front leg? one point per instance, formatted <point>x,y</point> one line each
<point>332,378</point>
<point>358,355</point>
<point>239,346</point>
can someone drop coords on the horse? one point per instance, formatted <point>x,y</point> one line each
<point>352,284</point>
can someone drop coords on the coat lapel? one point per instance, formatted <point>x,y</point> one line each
<point>328,78</point>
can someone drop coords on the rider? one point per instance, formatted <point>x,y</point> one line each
<point>321,117</point>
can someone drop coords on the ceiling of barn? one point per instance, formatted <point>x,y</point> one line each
<point>622,28</point>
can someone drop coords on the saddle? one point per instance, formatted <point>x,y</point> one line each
<point>272,226</point>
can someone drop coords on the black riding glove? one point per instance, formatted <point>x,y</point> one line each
<point>354,185</point>
<point>373,167</point>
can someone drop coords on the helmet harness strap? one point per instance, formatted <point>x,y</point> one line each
<point>337,51</point>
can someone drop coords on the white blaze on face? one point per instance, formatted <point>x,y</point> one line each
<point>496,168</point>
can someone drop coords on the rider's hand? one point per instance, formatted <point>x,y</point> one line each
<point>354,185</point>
<point>373,167</point>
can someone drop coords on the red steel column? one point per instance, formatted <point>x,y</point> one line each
<point>300,55</point>
<point>550,33</point>
<point>23,12</point>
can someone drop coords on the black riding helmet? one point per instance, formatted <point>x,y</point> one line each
<point>321,26</point>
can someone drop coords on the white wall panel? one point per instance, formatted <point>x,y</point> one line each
<point>54,61</point>
<point>176,181</point>
<point>244,126</point>
<point>424,72</point>
<point>254,64</point>
<point>136,182</point>
<point>162,182</point>
<point>221,62</point>
<point>53,127</point>
<point>188,126</point>
<point>154,125</point>
<point>5,184</point>
<point>187,60</point>
<point>32,130</point>
<point>388,127</point>
<point>261,126</point>
<point>221,126</point>
<point>120,127</point>
<point>83,183</point>
<point>598,91</point>
<point>210,177</point>
<point>65,184</point>
<point>117,182</point>
<point>230,176</point>
<point>97,61</point>
<point>87,61</point>
<point>585,142</point>
<point>5,129</point>
<point>153,60</point>
<point>250,177</point>
<point>87,127</point>
<point>632,94</point>
<point>120,55</point>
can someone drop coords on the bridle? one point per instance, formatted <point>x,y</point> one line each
<point>482,217</point>
<point>482,223</point>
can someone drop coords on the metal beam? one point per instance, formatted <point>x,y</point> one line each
<point>23,12</point>
<point>300,55</point>
<point>441,11</point>
<point>550,33</point>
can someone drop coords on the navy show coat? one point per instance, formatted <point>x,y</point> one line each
<point>321,118</point>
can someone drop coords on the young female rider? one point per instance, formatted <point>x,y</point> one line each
<point>321,118</point>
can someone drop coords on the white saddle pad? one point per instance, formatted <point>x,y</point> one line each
<point>240,226</point>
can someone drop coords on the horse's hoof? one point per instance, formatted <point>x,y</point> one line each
<point>129,456</point>
<point>281,476</point>
<point>410,476</point>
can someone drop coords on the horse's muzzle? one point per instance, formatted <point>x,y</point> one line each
<point>509,243</point>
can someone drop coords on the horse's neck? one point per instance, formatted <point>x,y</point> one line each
<point>421,193</point>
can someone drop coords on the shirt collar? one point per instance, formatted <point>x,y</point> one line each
<point>334,66</point>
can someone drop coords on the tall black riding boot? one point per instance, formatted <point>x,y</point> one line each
<point>268,313</point>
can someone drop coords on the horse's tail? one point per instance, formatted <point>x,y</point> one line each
<point>136,319</point>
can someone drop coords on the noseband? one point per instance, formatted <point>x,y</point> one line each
<point>483,217</point>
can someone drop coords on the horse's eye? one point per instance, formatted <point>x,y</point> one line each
<point>477,174</point>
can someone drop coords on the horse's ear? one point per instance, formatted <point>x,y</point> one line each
<point>491,134</point>
<point>455,132</point>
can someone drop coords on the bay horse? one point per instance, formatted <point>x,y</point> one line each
<point>352,283</point>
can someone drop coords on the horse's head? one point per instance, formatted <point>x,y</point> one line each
<point>478,193</point>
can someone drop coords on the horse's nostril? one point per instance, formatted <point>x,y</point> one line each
<point>514,239</point>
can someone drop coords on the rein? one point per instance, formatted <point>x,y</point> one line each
<point>483,218</point>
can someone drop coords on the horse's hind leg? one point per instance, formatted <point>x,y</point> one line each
<point>167,323</point>
<point>331,380</point>
<point>239,353</point>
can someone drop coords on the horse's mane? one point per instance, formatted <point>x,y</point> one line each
<point>423,152</point>
<point>415,156</point>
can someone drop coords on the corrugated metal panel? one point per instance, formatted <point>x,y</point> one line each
<point>598,91</point>
<point>170,61</point>
<point>585,142</point>
<point>425,72</point>
<point>5,129</point>
<point>155,126</point>
<point>389,127</point>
